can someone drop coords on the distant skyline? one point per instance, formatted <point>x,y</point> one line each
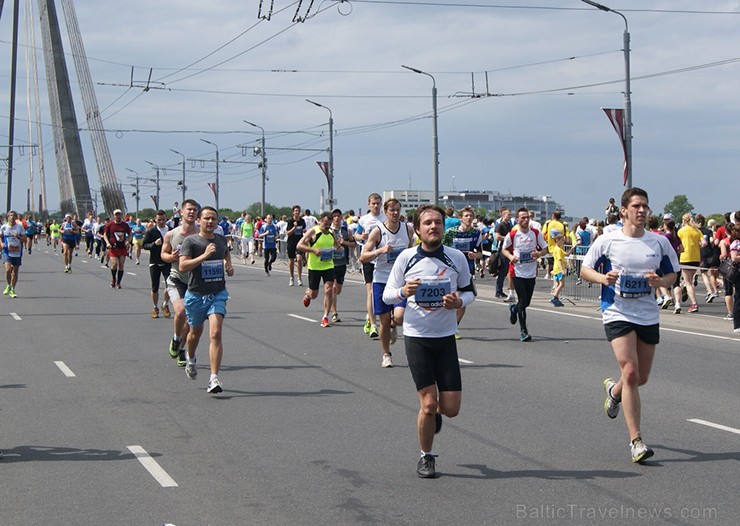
<point>520,92</point>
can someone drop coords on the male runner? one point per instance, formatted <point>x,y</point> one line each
<point>346,242</point>
<point>295,232</point>
<point>205,257</point>
<point>365,225</point>
<point>69,231</point>
<point>13,236</point>
<point>117,237</point>
<point>158,269</point>
<point>319,244</point>
<point>635,263</point>
<point>268,234</point>
<point>437,282</point>
<point>382,247</point>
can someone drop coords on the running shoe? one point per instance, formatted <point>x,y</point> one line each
<point>559,303</point>
<point>300,282</point>
<point>166,310</point>
<point>113,284</point>
<point>12,293</point>
<point>306,301</point>
<point>457,335</point>
<point>425,468</point>
<point>214,386</point>
<point>510,298</point>
<point>667,303</point>
<point>324,321</point>
<point>367,326</point>
<point>728,317</point>
<point>512,314</point>
<point>174,348</point>
<point>182,360</point>
<point>394,335</point>
<point>677,310</point>
<point>118,285</point>
<point>155,312</point>
<point>684,294</point>
<point>7,290</point>
<point>736,330</point>
<point>713,297</point>
<point>554,301</point>
<point>387,361</point>
<point>693,307</point>
<point>67,270</point>
<point>374,332</point>
<point>500,295</point>
<point>437,423</point>
<point>191,371</point>
<point>611,404</point>
<point>524,336</point>
<point>290,282</point>
<point>639,450</point>
<point>335,318</point>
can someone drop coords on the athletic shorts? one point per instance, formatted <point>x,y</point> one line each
<point>138,241</point>
<point>118,252</point>
<point>379,306</point>
<point>339,272</point>
<point>69,242</point>
<point>15,261</point>
<point>368,269</point>
<point>292,248</point>
<point>176,289</point>
<point>156,272</point>
<point>199,306</point>
<point>434,361</point>
<point>557,278</point>
<point>689,264</point>
<point>315,277</point>
<point>649,334</point>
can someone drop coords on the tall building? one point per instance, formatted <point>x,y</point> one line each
<point>542,205</point>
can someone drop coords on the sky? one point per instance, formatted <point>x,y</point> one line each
<point>540,70</point>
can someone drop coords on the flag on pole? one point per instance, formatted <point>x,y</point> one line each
<point>324,165</point>
<point>156,204</point>
<point>212,186</point>
<point>616,117</point>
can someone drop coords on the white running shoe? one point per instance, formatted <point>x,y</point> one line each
<point>214,386</point>
<point>387,361</point>
<point>300,282</point>
<point>191,371</point>
<point>611,405</point>
<point>290,283</point>
<point>639,450</point>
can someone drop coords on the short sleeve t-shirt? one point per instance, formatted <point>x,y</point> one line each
<point>12,240</point>
<point>300,229</point>
<point>209,276</point>
<point>118,233</point>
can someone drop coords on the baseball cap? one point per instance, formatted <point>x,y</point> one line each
<point>117,211</point>
<point>668,217</point>
<point>67,215</point>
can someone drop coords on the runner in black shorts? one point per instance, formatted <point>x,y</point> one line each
<point>295,231</point>
<point>158,269</point>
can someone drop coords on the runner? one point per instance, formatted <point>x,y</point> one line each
<point>30,231</point>
<point>268,234</point>
<point>177,282</point>
<point>296,228</point>
<point>467,240</point>
<point>13,237</point>
<point>319,243</point>
<point>247,239</point>
<point>523,247</point>
<point>381,249</point>
<point>137,236</point>
<point>55,234</point>
<point>69,232</point>
<point>158,269</point>
<point>88,230</point>
<point>433,272</point>
<point>205,257</point>
<point>366,223</point>
<point>117,235</point>
<point>635,262</point>
<point>346,242</point>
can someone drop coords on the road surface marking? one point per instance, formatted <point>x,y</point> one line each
<point>15,316</point>
<point>716,426</point>
<point>66,370</point>
<point>302,318</point>
<point>464,361</point>
<point>154,469</point>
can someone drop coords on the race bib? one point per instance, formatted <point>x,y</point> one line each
<point>211,271</point>
<point>525,257</point>
<point>462,243</point>
<point>633,286</point>
<point>431,292</point>
<point>14,246</point>
<point>327,254</point>
<point>339,255</point>
<point>270,238</point>
<point>298,231</point>
<point>393,254</point>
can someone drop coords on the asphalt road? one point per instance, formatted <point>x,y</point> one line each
<point>99,426</point>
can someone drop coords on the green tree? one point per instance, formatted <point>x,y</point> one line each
<point>678,206</point>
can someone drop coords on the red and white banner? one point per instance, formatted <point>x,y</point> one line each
<point>616,117</point>
<point>212,186</point>
<point>156,204</point>
<point>324,165</point>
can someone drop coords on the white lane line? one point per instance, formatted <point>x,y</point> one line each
<point>154,469</point>
<point>15,316</point>
<point>302,318</point>
<point>66,370</point>
<point>84,261</point>
<point>130,273</point>
<point>716,426</point>
<point>464,361</point>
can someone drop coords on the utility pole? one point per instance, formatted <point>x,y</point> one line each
<point>137,194</point>
<point>263,166</point>
<point>156,169</point>
<point>182,183</point>
<point>331,153</point>
<point>11,124</point>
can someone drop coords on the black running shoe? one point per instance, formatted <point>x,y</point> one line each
<point>512,314</point>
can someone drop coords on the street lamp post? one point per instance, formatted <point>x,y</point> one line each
<point>331,152</point>
<point>156,169</point>
<point>435,144</point>
<point>182,183</point>
<point>137,190</point>
<point>263,167</point>
<point>627,90</point>
<point>218,188</point>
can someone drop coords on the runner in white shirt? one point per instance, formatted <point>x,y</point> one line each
<point>629,264</point>
<point>436,281</point>
<point>13,236</point>
<point>364,226</point>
